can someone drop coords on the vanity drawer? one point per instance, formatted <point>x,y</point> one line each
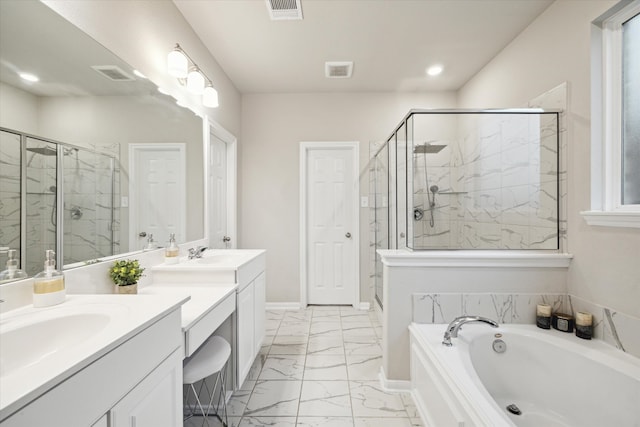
<point>203,328</point>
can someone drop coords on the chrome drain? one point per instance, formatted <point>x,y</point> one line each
<point>513,408</point>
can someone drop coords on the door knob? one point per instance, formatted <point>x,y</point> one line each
<point>226,239</point>
<point>142,234</point>
<point>348,235</point>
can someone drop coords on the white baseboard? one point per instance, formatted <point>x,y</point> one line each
<point>364,306</point>
<point>393,385</point>
<point>282,306</point>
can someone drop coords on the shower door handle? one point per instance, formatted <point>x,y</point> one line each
<point>348,235</point>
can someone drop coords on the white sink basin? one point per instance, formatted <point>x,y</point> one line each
<point>32,342</point>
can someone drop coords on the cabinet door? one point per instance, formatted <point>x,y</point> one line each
<point>246,316</point>
<point>260,314</point>
<point>156,401</point>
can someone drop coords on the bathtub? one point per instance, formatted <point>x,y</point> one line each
<point>554,378</point>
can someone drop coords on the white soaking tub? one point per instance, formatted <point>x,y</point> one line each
<point>554,378</point>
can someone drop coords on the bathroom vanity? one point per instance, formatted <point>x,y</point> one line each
<point>242,269</point>
<point>93,359</point>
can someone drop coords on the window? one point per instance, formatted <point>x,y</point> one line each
<point>631,111</point>
<point>615,118</point>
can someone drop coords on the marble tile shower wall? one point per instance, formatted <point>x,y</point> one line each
<point>615,328</point>
<point>9,193</point>
<point>89,206</point>
<point>505,168</point>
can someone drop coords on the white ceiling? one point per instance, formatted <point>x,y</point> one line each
<point>391,42</point>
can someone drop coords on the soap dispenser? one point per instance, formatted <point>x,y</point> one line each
<point>12,272</point>
<point>172,251</point>
<point>48,285</point>
<point>150,243</point>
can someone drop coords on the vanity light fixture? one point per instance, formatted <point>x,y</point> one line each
<point>181,66</point>
<point>195,81</point>
<point>177,63</point>
<point>29,77</point>
<point>210,97</point>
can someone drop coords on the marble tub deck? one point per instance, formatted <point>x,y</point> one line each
<point>319,367</point>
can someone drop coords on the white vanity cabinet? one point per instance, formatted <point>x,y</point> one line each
<point>137,383</point>
<point>244,268</point>
<point>245,320</point>
<point>156,401</point>
<point>250,329</point>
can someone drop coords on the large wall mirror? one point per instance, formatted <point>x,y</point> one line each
<point>93,159</point>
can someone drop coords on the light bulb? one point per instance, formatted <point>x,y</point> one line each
<point>29,77</point>
<point>210,97</point>
<point>434,70</point>
<point>177,63</point>
<point>195,82</point>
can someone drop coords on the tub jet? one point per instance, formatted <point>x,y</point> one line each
<point>513,408</point>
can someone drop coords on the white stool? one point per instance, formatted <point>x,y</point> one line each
<point>211,358</point>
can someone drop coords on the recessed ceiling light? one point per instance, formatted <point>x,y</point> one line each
<point>29,77</point>
<point>139,74</point>
<point>434,70</point>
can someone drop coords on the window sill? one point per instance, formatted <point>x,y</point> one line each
<point>612,219</point>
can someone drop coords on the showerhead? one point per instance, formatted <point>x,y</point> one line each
<point>45,151</point>
<point>434,189</point>
<point>428,148</point>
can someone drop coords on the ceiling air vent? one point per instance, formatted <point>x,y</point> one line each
<point>338,70</point>
<point>113,73</point>
<point>280,10</point>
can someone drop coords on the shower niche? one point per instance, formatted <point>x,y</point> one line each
<point>463,179</point>
<point>56,196</point>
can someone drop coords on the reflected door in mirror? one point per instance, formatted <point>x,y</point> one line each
<point>157,193</point>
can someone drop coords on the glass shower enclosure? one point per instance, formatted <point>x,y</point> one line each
<point>55,196</point>
<point>468,180</point>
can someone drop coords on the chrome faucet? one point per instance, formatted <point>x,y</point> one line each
<point>197,252</point>
<point>454,326</point>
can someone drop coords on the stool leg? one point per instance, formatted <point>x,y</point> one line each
<point>223,394</point>
<point>212,394</point>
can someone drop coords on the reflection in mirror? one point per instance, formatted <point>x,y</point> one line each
<point>10,197</point>
<point>41,202</point>
<point>64,153</point>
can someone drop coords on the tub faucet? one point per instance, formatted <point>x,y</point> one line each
<point>197,252</point>
<point>454,326</point>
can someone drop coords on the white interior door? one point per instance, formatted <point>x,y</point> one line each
<point>218,198</point>
<point>157,193</point>
<point>331,250</point>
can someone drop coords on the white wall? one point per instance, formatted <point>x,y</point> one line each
<point>553,49</point>
<point>18,109</point>
<point>273,125</point>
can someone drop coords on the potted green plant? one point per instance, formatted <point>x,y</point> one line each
<point>125,274</point>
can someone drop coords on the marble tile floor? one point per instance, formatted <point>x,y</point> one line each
<point>318,367</point>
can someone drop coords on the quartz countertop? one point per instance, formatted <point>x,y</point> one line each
<point>128,315</point>
<point>202,299</point>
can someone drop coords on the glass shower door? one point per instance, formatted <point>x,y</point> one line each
<point>41,202</point>
<point>10,194</point>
